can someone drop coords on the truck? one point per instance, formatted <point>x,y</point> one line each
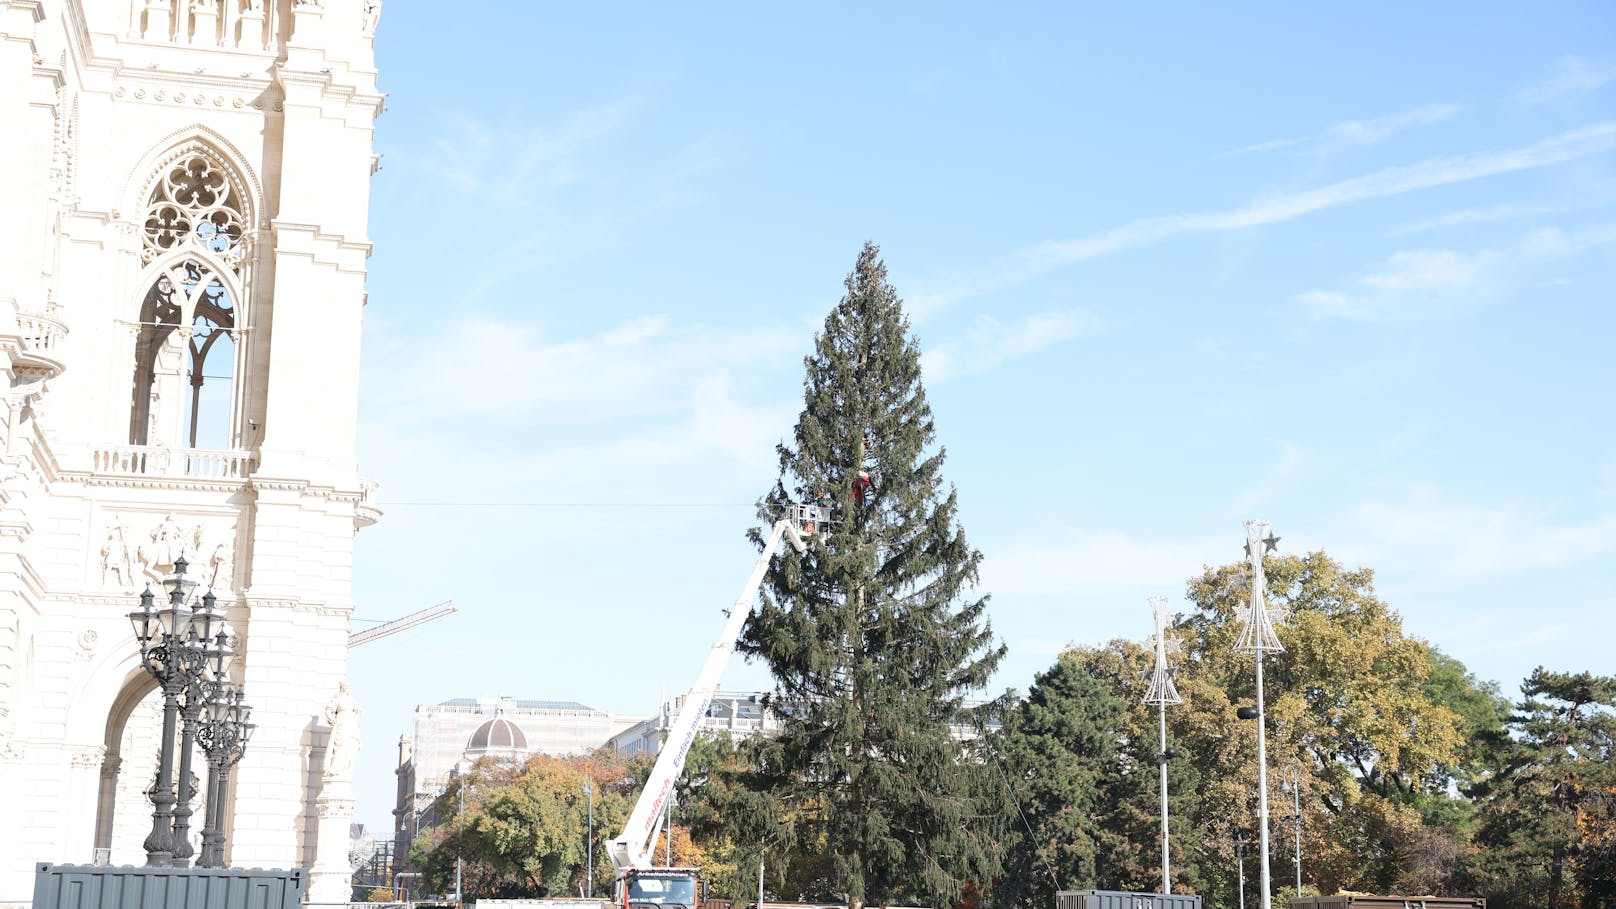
<point>640,883</point>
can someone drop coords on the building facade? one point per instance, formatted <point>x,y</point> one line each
<point>182,279</point>
<point>448,737</point>
<point>739,714</point>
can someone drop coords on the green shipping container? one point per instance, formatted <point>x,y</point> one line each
<point>129,887</point>
<point>1118,899</point>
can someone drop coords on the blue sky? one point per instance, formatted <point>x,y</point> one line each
<point>1349,271</point>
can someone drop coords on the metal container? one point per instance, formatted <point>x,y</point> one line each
<point>1118,899</point>
<point>1355,901</point>
<point>128,887</point>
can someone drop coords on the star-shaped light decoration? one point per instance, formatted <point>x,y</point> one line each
<point>1256,617</point>
<point>1162,690</point>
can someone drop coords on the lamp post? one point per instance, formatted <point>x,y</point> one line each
<point>589,842</point>
<point>1291,782</point>
<point>1257,638</point>
<point>224,738</point>
<point>210,659</point>
<point>1162,692</point>
<point>164,635</point>
<point>460,822</point>
<point>1240,854</point>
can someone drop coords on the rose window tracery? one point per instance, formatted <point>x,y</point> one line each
<point>195,202</point>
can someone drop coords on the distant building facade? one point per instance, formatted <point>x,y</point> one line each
<point>739,713</point>
<point>450,736</point>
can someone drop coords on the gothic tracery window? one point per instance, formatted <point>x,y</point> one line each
<point>194,244</point>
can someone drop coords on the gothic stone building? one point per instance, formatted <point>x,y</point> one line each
<point>184,186</point>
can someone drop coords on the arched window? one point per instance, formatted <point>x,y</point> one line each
<point>194,243</point>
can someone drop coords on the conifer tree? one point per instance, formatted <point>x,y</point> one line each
<point>876,634</point>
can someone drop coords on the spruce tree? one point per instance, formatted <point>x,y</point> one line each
<point>876,634</point>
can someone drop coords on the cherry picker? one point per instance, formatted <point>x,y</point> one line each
<point>641,884</point>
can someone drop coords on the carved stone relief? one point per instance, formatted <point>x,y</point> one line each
<point>130,559</point>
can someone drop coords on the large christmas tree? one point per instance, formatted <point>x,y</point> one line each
<point>876,635</point>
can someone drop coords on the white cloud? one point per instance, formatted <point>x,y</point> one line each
<point>990,343</point>
<point>1418,282</point>
<point>1465,542</point>
<point>1409,283</point>
<point>1573,75</point>
<point>1480,215</point>
<point>1349,134</point>
<point>1358,133</point>
<point>1031,261</point>
<point>1427,269</point>
<point>509,165</point>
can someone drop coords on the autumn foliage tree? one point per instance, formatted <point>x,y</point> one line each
<point>1347,707</point>
<point>523,828</point>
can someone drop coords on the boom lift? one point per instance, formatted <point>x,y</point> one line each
<point>640,883</point>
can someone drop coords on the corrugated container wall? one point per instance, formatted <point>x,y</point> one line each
<point>126,887</point>
<point>1118,899</point>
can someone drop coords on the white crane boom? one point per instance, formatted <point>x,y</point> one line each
<point>632,849</point>
<point>397,625</point>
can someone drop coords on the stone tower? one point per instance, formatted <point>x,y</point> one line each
<point>182,280</point>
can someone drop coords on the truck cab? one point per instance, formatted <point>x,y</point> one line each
<point>655,888</point>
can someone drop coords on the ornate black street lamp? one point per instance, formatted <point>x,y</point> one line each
<point>224,736</point>
<point>175,643</point>
<point>212,658</point>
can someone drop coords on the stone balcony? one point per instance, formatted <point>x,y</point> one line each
<point>176,463</point>
<point>41,340</point>
<point>368,510</point>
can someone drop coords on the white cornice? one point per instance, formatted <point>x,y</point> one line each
<point>112,481</point>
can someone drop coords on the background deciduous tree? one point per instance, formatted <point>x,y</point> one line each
<point>523,830</point>
<point>1347,706</point>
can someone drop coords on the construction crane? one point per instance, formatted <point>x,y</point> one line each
<point>640,883</point>
<point>397,625</point>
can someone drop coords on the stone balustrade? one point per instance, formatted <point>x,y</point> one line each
<point>186,463</point>
<point>41,334</point>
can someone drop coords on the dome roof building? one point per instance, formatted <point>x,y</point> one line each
<point>498,737</point>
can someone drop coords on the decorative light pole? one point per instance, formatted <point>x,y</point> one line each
<point>1162,692</point>
<point>1291,781</point>
<point>589,843</point>
<point>460,825</point>
<point>1257,638</point>
<point>224,737</point>
<point>208,670</point>
<point>173,646</point>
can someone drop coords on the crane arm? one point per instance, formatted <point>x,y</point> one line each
<point>632,848</point>
<point>397,625</point>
